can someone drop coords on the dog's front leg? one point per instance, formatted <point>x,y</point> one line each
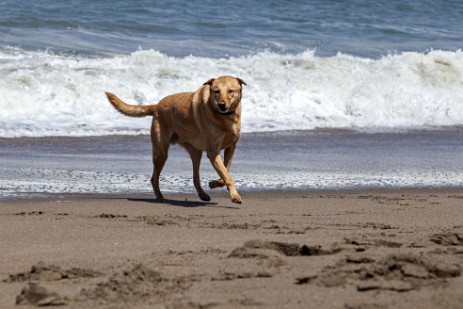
<point>228,156</point>
<point>216,160</point>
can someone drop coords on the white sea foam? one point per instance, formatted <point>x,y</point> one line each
<point>52,94</point>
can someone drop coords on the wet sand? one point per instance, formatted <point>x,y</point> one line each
<point>294,249</point>
<point>314,160</point>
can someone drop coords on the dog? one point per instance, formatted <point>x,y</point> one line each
<point>206,120</point>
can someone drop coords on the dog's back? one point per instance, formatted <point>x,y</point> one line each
<point>175,105</point>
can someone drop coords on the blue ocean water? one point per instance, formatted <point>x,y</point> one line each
<point>222,28</point>
<point>361,65</point>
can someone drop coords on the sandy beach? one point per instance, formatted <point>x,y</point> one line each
<point>349,163</point>
<point>293,249</point>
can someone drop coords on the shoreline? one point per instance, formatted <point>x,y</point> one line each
<point>311,160</point>
<point>222,193</point>
<point>313,247</point>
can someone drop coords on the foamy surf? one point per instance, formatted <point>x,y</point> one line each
<point>49,94</point>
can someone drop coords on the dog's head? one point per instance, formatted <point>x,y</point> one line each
<point>225,93</point>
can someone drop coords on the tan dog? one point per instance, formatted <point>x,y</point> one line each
<point>205,120</point>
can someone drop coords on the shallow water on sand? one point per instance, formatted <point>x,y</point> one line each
<point>310,160</point>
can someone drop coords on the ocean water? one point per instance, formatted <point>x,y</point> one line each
<point>342,94</point>
<point>362,65</point>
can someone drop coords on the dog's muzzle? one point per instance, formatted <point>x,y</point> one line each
<point>222,108</point>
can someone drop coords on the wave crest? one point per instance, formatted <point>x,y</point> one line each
<point>58,94</point>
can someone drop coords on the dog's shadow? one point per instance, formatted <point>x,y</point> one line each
<point>180,203</point>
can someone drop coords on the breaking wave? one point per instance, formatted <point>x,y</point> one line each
<point>49,94</point>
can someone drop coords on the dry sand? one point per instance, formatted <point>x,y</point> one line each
<point>342,249</point>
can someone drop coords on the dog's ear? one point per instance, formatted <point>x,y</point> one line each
<point>241,81</point>
<point>209,82</point>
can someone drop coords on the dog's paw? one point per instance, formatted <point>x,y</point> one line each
<point>236,198</point>
<point>204,197</point>
<point>216,184</point>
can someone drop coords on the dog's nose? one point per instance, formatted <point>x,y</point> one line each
<point>222,106</point>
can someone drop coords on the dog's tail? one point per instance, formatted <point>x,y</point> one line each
<point>130,110</point>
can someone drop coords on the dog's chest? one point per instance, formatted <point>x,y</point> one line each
<point>231,137</point>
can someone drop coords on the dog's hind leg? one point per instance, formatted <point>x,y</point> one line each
<point>228,156</point>
<point>195,156</point>
<point>160,149</point>
<point>158,162</point>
